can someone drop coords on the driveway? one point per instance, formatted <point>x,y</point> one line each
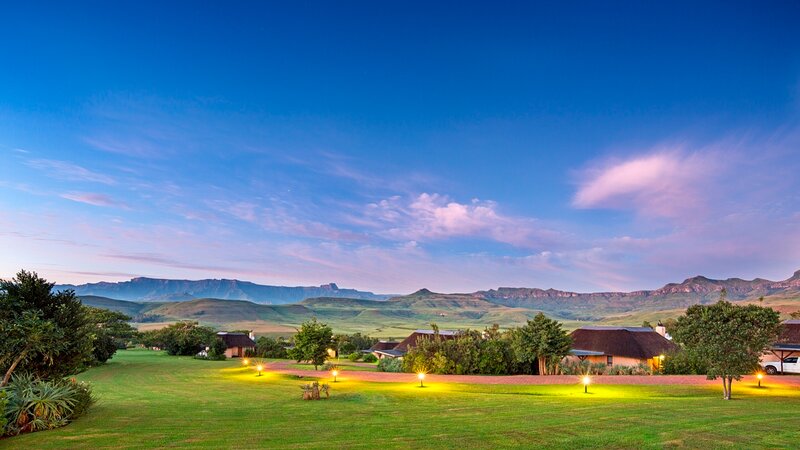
<point>388,377</point>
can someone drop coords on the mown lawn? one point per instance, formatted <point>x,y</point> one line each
<point>148,399</point>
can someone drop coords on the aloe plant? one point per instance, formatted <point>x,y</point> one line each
<point>35,405</point>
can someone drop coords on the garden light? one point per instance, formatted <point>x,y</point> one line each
<point>421,377</point>
<point>259,368</point>
<point>334,373</point>
<point>759,376</point>
<point>586,381</point>
<point>246,362</point>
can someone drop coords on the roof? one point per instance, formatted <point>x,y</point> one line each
<point>790,333</point>
<point>633,329</point>
<point>384,345</point>
<point>391,353</point>
<point>411,340</point>
<point>578,352</point>
<point>630,342</point>
<point>236,339</point>
<point>785,347</point>
<point>441,332</point>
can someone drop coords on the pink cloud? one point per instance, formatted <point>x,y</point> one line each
<point>435,216</point>
<point>664,183</point>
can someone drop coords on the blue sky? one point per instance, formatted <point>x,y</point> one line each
<point>393,146</point>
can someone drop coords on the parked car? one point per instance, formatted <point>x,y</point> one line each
<point>790,365</point>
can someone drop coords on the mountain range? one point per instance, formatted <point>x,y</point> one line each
<point>698,289</point>
<point>158,290</point>
<point>396,315</point>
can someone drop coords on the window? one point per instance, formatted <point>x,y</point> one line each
<point>609,360</point>
<point>792,360</point>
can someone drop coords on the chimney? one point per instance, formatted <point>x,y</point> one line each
<point>252,336</point>
<point>662,330</point>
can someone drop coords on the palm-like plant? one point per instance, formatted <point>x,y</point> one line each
<point>35,405</point>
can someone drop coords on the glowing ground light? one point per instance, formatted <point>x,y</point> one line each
<point>421,377</point>
<point>759,376</point>
<point>586,381</point>
<point>334,373</point>
<point>259,368</point>
<point>246,362</point>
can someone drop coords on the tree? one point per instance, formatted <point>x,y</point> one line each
<point>111,332</point>
<point>542,340</point>
<point>728,339</point>
<point>217,349</point>
<point>495,356</point>
<point>42,332</point>
<point>311,342</point>
<point>267,347</point>
<point>183,338</point>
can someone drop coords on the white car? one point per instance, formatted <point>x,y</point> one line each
<point>790,365</point>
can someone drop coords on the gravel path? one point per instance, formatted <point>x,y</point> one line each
<point>386,377</point>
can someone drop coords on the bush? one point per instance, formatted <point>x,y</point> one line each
<point>328,366</point>
<point>682,363</point>
<point>369,358</point>
<point>575,368</point>
<point>35,405</point>
<point>312,391</point>
<point>3,420</point>
<point>355,356</point>
<point>217,349</point>
<point>83,393</point>
<point>390,365</point>
<point>267,347</point>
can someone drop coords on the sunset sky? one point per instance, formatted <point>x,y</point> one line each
<point>390,146</point>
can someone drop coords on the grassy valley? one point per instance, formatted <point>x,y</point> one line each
<point>397,316</point>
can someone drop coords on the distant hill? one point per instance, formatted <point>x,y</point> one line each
<point>591,306</point>
<point>396,316</point>
<point>392,318</point>
<point>154,289</point>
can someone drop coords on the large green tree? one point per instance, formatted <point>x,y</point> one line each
<point>728,339</point>
<point>111,332</point>
<point>311,343</point>
<point>43,332</point>
<point>185,338</point>
<point>542,340</point>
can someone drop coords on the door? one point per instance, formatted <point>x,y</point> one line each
<point>790,365</point>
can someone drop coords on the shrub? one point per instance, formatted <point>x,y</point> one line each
<point>328,366</point>
<point>217,349</point>
<point>35,405</point>
<point>598,368</point>
<point>390,365</point>
<point>355,356</point>
<point>575,368</point>
<point>267,347</point>
<point>3,420</point>
<point>83,394</point>
<point>370,358</point>
<point>312,391</point>
<point>683,363</point>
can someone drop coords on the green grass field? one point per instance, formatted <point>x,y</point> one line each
<point>148,399</point>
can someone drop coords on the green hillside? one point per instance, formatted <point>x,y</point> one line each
<point>395,317</point>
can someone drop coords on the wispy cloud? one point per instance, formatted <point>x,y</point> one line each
<point>68,171</point>
<point>664,182</point>
<point>95,199</point>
